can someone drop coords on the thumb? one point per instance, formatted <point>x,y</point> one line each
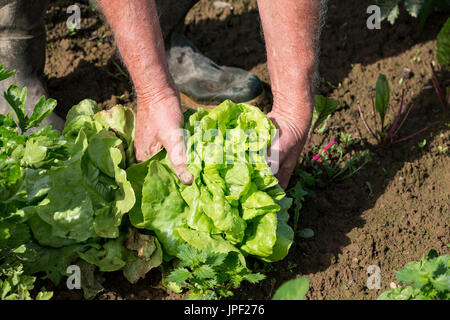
<point>177,155</point>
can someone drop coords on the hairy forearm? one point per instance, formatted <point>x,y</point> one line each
<point>138,36</point>
<point>291,31</point>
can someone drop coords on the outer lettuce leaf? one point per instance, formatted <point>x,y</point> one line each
<point>285,234</point>
<point>146,254</point>
<point>163,207</point>
<point>262,236</point>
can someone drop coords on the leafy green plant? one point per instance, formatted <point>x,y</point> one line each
<point>78,174</point>
<point>443,54</point>
<point>17,98</point>
<point>430,279</point>
<point>208,275</point>
<point>231,206</point>
<point>421,9</point>
<point>302,189</point>
<point>295,289</point>
<point>323,109</point>
<point>17,286</point>
<point>443,45</point>
<point>380,105</point>
<point>336,168</point>
<point>347,139</point>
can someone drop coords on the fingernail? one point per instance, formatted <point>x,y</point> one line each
<point>186,177</point>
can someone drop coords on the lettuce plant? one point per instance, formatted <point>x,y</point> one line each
<point>63,196</point>
<point>234,203</point>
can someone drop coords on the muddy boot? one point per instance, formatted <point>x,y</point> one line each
<point>204,81</point>
<point>22,48</point>
<point>200,81</point>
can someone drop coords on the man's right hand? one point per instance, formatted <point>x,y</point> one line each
<point>159,125</point>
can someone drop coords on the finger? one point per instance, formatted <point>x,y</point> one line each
<point>177,154</point>
<point>286,170</point>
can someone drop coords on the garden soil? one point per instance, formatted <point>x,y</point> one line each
<point>392,211</point>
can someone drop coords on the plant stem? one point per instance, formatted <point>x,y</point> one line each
<point>410,136</point>
<point>403,120</point>
<point>374,114</point>
<point>397,118</point>
<point>437,86</point>
<point>365,123</point>
<point>311,133</point>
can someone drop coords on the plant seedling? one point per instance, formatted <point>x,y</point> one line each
<point>422,144</point>
<point>380,105</point>
<point>208,275</point>
<point>442,149</point>
<point>323,109</point>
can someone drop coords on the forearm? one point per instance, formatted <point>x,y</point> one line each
<point>138,36</point>
<point>291,32</point>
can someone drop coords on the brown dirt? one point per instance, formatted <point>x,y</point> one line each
<point>404,215</point>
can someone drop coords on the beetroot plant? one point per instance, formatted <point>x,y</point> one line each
<point>380,105</point>
<point>443,55</point>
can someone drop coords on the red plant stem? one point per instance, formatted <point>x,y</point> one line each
<point>308,143</point>
<point>410,136</point>
<point>374,114</point>
<point>324,150</point>
<point>397,118</point>
<point>365,123</point>
<point>408,110</point>
<point>437,86</point>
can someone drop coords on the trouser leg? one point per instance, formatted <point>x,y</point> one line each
<point>22,48</point>
<point>171,14</point>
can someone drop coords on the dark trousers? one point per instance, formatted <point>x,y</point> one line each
<point>25,17</point>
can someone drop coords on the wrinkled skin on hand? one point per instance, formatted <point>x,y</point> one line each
<point>292,134</point>
<point>159,124</point>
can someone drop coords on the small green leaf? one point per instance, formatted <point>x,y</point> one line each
<point>295,289</point>
<point>44,295</point>
<point>413,7</point>
<point>443,45</point>
<point>432,254</point>
<point>389,10</point>
<point>5,73</point>
<point>306,233</point>
<point>179,275</point>
<point>17,99</point>
<point>254,277</point>
<point>382,96</point>
<point>41,111</point>
<point>422,144</point>
<point>323,108</point>
<point>205,272</point>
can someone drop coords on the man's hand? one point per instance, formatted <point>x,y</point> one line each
<point>292,134</point>
<point>159,118</point>
<point>291,30</point>
<point>159,125</point>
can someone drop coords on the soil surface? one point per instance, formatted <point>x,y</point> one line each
<point>392,211</point>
